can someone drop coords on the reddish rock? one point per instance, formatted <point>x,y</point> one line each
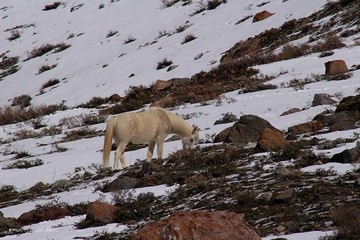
<point>161,85</point>
<point>291,111</point>
<point>199,225</point>
<point>306,127</point>
<point>262,16</point>
<point>221,136</point>
<point>271,140</point>
<point>101,212</point>
<point>335,67</point>
<point>43,214</point>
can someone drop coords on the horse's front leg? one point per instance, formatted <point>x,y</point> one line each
<point>150,150</point>
<point>119,154</point>
<point>160,147</point>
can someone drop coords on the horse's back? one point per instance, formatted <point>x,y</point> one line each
<point>140,127</point>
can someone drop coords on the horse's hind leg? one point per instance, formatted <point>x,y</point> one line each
<point>150,150</point>
<point>119,155</point>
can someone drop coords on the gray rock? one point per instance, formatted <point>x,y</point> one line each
<point>121,183</point>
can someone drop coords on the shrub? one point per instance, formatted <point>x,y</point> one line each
<point>26,134</point>
<point>111,33</point>
<point>129,40</point>
<point>24,164</point>
<point>131,207</point>
<point>21,101</point>
<point>45,48</point>
<point>188,38</point>
<point>52,6</point>
<point>347,219</point>
<point>50,83</point>
<point>182,28</point>
<point>7,62</point>
<point>330,42</point>
<point>169,3</point>
<point>209,5</point>
<point>14,34</point>
<point>22,154</point>
<point>85,132</point>
<point>9,114</point>
<point>94,102</point>
<point>44,68</point>
<point>212,4</point>
<point>163,64</point>
<point>292,51</point>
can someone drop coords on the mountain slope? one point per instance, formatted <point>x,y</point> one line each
<point>98,48</point>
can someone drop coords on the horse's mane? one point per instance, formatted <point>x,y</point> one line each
<point>178,124</point>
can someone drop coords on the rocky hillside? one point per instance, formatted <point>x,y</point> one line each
<point>279,113</point>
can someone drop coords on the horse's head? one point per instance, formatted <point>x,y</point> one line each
<point>190,141</point>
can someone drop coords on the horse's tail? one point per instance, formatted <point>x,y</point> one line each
<point>108,142</point>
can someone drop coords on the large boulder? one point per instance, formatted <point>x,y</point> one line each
<point>305,127</point>
<point>348,155</point>
<point>248,129</point>
<point>43,214</point>
<point>121,183</point>
<point>271,140</point>
<point>351,103</point>
<point>161,85</point>
<point>322,99</point>
<point>291,111</point>
<point>199,225</point>
<point>335,67</point>
<point>103,213</point>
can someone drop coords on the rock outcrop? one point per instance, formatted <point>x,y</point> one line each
<point>199,225</point>
<point>248,129</point>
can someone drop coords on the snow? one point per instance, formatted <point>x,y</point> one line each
<point>96,65</point>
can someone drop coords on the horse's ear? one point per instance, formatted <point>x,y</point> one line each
<point>195,129</point>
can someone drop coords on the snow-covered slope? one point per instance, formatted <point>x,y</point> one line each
<point>97,64</point>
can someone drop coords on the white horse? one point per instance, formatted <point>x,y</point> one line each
<point>151,126</point>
